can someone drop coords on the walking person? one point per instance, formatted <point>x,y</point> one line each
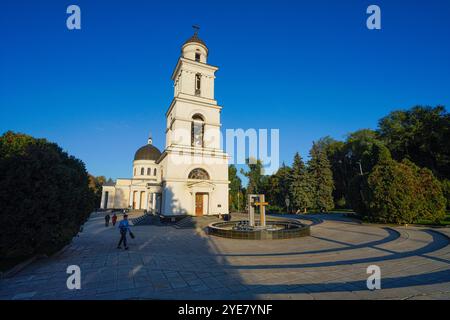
<point>114,219</point>
<point>124,227</point>
<point>107,217</point>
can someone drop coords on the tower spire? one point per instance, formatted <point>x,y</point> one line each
<point>196,28</point>
<point>150,140</point>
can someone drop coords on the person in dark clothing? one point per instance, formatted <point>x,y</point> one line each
<point>124,227</point>
<point>114,219</point>
<point>107,217</point>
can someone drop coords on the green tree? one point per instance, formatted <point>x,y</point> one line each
<point>365,148</point>
<point>445,186</point>
<point>44,193</point>
<point>335,151</point>
<point>394,193</point>
<point>420,134</point>
<point>276,188</point>
<point>254,175</point>
<point>433,200</point>
<point>96,184</point>
<point>300,187</point>
<point>353,162</point>
<point>403,193</point>
<point>321,178</point>
<point>236,195</point>
<point>357,195</point>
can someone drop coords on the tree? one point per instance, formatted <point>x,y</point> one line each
<point>403,193</point>
<point>321,179</point>
<point>394,193</point>
<point>353,162</point>
<point>420,134</point>
<point>445,186</point>
<point>365,148</point>
<point>335,151</point>
<point>276,188</point>
<point>254,175</point>
<point>96,184</point>
<point>300,188</point>
<point>236,195</point>
<point>434,202</point>
<point>357,195</point>
<point>44,193</point>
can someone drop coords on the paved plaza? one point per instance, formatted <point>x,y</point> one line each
<point>168,263</point>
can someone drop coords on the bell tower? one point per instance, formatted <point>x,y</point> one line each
<point>193,108</point>
<point>194,166</point>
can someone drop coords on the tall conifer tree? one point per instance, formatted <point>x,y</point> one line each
<point>321,178</point>
<point>300,187</point>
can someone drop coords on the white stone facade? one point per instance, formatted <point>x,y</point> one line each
<point>190,177</point>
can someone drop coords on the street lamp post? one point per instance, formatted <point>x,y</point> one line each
<point>239,191</point>
<point>360,167</point>
<point>360,188</point>
<point>287,201</point>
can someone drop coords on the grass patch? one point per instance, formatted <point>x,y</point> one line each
<point>444,222</point>
<point>348,212</point>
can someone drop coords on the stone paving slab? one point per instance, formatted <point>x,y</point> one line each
<point>168,263</point>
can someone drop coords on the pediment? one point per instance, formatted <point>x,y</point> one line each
<point>201,184</point>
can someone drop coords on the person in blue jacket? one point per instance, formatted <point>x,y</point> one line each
<point>124,228</point>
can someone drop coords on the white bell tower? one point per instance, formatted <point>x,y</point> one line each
<point>193,99</point>
<point>195,168</point>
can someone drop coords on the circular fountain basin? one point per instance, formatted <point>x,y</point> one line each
<point>274,230</point>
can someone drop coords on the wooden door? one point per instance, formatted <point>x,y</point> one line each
<point>198,204</point>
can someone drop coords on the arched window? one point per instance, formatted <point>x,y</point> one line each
<point>198,83</point>
<point>199,174</point>
<point>149,171</point>
<point>154,172</point>
<point>197,128</point>
<point>142,171</point>
<point>198,117</point>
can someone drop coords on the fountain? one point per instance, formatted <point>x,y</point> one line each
<point>259,230</point>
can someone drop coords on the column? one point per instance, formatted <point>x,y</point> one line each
<point>131,198</point>
<point>102,201</point>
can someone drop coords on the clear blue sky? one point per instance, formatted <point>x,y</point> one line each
<point>308,68</point>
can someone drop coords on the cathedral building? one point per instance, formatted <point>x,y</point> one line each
<point>190,177</point>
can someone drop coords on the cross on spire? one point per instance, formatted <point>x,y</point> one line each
<point>196,28</point>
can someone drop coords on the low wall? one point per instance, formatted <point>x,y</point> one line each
<point>292,229</point>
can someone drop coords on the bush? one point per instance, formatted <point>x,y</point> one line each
<point>44,196</point>
<point>403,193</point>
<point>445,186</point>
<point>275,209</point>
<point>341,203</point>
<point>394,193</point>
<point>434,202</point>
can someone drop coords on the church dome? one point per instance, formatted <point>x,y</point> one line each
<point>195,48</point>
<point>147,152</point>
<point>195,39</point>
